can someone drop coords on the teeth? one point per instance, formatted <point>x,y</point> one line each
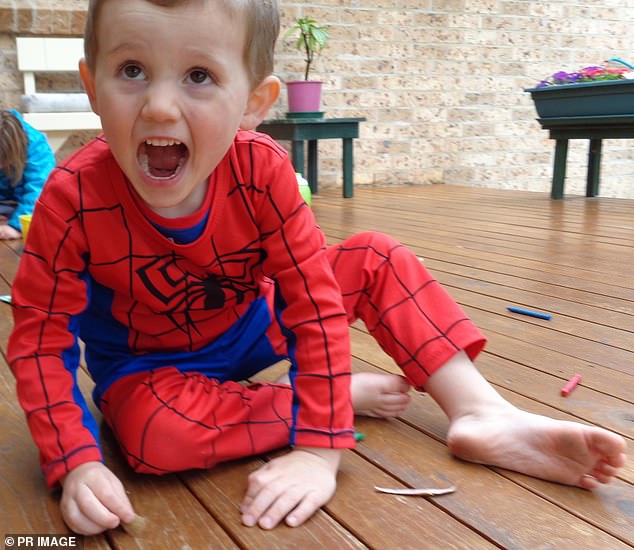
<point>162,142</point>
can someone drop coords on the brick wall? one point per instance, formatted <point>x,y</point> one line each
<point>440,82</point>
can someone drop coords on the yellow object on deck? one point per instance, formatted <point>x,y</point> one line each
<point>25,222</point>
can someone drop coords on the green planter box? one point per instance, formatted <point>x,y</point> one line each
<point>611,97</point>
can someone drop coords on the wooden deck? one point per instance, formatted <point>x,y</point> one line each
<point>572,258</point>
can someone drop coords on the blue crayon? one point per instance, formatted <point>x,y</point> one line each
<point>529,313</point>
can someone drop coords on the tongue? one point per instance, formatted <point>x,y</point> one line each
<point>163,161</point>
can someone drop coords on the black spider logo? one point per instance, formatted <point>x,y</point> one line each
<point>169,279</point>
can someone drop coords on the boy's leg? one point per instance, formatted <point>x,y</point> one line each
<point>485,428</point>
<point>420,326</point>
<point>166,420</point>
<point>410,315</point>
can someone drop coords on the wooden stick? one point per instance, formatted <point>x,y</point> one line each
<point>416,492</point>
<point>135,527</point>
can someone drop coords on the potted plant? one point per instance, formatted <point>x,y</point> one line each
<point>304,96</point>
<point>591,91</point>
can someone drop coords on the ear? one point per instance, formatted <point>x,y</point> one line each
<point>260,101</point>
<point>88,79</point>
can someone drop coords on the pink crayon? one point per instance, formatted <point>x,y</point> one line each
<point>570,385</point>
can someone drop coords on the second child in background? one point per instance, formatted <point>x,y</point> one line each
<point>26,160</point>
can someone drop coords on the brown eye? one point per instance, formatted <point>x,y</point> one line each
<point>132,72</point>
<point>199,76</point>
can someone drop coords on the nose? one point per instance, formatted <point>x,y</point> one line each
<point>161,103</point>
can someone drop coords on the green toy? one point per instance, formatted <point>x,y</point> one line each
<point>304,188</point>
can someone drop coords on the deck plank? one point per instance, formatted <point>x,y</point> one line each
<point>498,508</point>
<point>607,507</point>
<point>221,490</point>
<point>490,249</point>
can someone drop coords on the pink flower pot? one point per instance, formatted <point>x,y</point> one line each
<point>304,96</point>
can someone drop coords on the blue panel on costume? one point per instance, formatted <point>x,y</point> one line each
<point>237,354</point>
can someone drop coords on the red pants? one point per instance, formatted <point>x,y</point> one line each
<point>167,420</point>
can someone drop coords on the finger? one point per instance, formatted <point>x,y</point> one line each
<point>280,508</point>
<point>395,398</point>
<point>390,408</point>
<point>304,510</point>
<point>258,479</point>
<point>259,505</point>
<point>255,483</point>
<point>252,492</point>
<point>245,504</point>
<point>77,521</point>
<point>117,501</point>
<point>401,385</point>
<point>93,509</point>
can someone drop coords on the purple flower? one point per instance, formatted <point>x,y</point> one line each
<point>561,75</point>
<point>591,73</point>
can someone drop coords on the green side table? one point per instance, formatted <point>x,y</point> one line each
<point>299,130</point>
<point>593,128</point>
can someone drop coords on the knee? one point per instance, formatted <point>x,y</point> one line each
<point>380,243</point>
<point>165,442</point>
<point>161,429</point>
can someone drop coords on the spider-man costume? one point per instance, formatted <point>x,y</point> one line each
<point>171,328</point>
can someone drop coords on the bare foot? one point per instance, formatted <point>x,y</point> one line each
<point>554,450</point>
<point>379,395</point>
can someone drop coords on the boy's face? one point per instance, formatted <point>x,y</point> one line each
<point>172,89</point>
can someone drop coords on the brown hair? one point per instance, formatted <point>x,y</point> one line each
<point>13,146</point>
<point>262,28</point>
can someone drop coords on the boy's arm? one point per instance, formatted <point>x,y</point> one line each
<point>311,314</point>
<point>48,295</point>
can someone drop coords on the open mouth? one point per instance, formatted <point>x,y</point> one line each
<point>162,158</point>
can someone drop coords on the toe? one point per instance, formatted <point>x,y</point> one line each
<point>588,482</point>
<point>602,478</point>
<point>609,446</point>
<point>607,469</point>
<point>617,461</point>
<point>604,472</point>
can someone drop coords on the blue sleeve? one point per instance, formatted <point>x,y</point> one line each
<point>39,163</point>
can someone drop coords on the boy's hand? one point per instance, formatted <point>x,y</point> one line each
<point>94,500</point>
<point>8,233</point>
<point>293,486</point>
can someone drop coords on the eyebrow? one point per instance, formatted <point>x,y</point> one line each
<point>194,50</point>
<point>126,46</point>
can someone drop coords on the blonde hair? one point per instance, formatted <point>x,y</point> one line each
<point>262,20</point>
<point>13,146</point>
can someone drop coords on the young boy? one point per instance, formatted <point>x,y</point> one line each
<point>26,160</point>
<point>179,250</point>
